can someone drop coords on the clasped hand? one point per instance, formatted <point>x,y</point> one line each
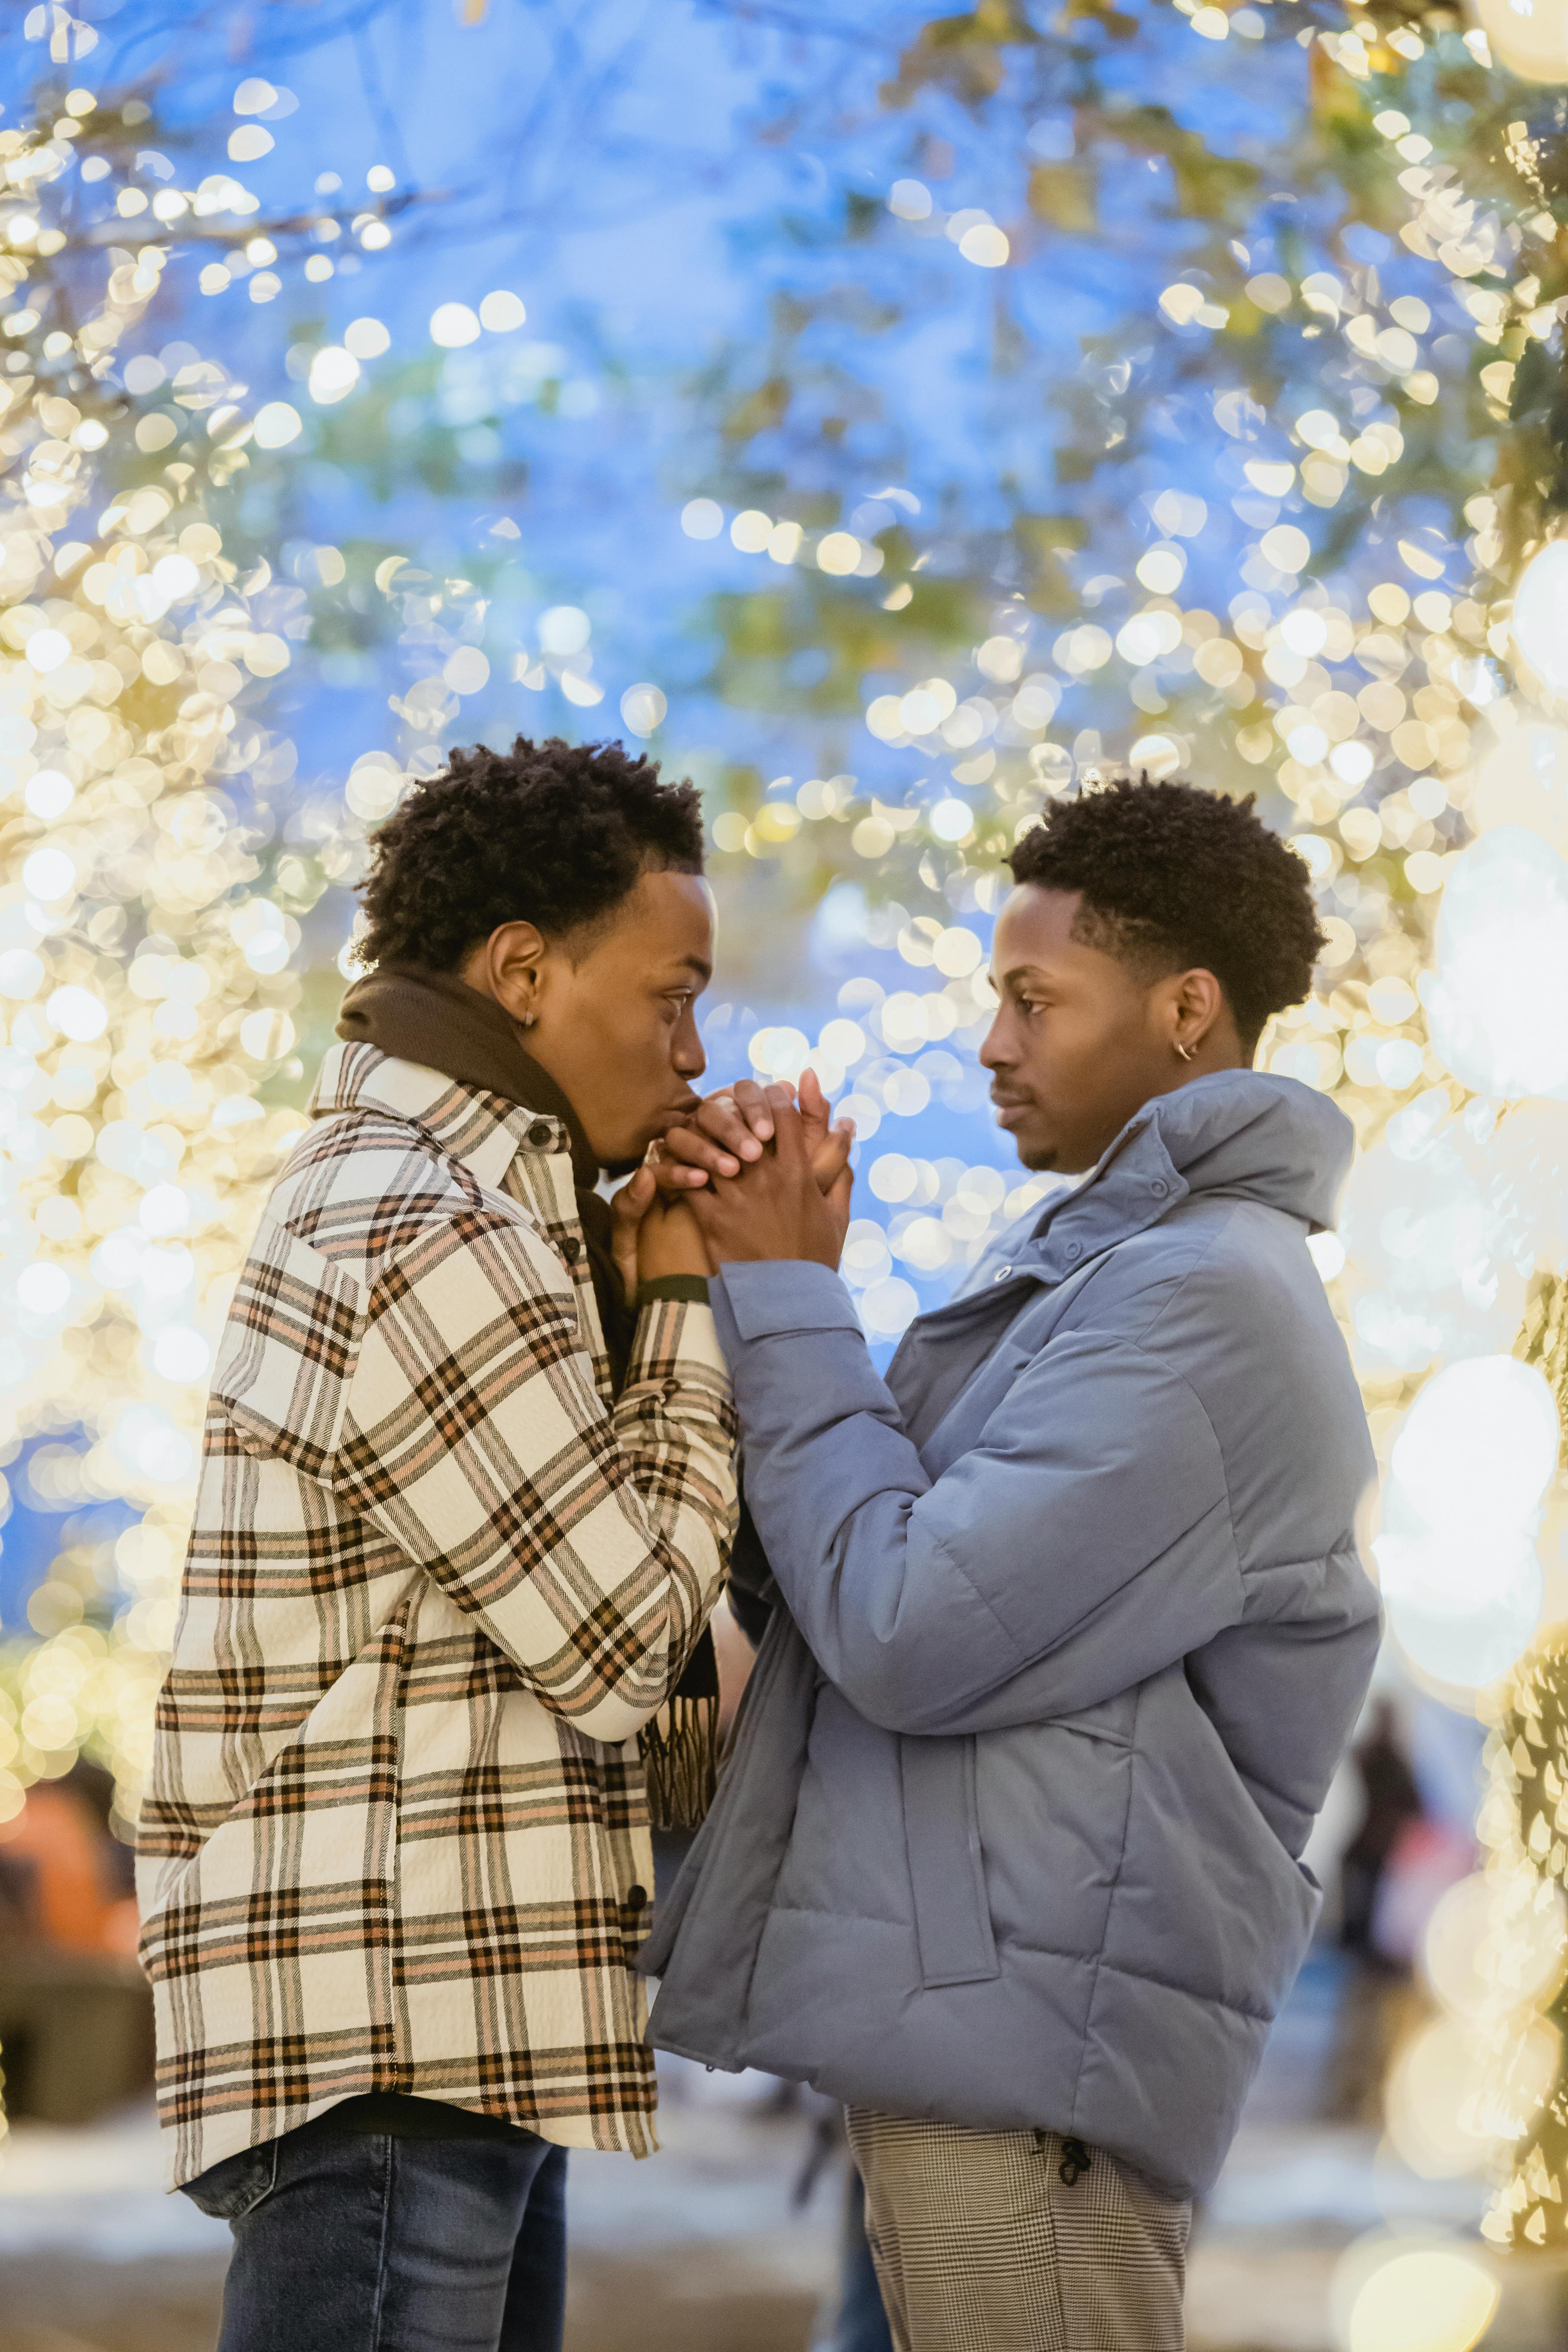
<point>753,1174</point>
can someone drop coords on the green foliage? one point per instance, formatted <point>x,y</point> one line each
<point>1208,186</point>
<point>964,56</point>
<point>1066,196</point>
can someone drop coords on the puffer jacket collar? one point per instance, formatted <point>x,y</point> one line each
<point>1237,1131</point>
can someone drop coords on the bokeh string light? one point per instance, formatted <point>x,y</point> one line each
<point>144,982</point>
<point>1408,715</point>
<point>1388,682</point>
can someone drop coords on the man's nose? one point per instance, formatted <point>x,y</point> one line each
<point>993,1054</point>
<point>691,1059</point>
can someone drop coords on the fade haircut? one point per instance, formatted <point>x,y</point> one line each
<point>1171,877</point>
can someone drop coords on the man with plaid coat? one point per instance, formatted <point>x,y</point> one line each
<point>465,1508</point>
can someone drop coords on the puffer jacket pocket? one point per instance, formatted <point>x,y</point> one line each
<point>1198,1848</point>
<point>942,1835</point>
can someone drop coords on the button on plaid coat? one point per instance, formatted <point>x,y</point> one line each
<point>397,1836</point>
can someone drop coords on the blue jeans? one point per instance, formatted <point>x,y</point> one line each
<point>862,2318</point>
<point>371,2244</point>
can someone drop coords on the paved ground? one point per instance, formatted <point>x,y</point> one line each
<point>706,2249</point>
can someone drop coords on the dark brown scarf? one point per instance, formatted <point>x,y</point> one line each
<point>435,1019</point>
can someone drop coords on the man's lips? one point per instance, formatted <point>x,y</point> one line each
<point>1008,1105</point>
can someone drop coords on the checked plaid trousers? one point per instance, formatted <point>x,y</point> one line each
<point>1017,2242</point>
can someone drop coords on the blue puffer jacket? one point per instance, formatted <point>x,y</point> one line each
<point>1010,1836</point>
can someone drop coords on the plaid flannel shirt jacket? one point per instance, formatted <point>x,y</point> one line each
<point>397,1835</point>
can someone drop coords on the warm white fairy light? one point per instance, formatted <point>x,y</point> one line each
<point>142,992</point>
<point>1540,609</point>
<point>1335,704</point>
<point>1528,37</point>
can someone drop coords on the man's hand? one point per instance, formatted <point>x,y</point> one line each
<point>731,1129</point>
<point>652,1234</point>
<point>628,1207</point>
<point>776,1208</point>
<point>670,1241</point>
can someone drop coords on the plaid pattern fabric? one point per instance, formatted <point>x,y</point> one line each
<point>396,1837</point>
<point>1017,2242</point>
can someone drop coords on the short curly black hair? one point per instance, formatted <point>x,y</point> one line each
<point>1172,877</point>
<point>553,834</point>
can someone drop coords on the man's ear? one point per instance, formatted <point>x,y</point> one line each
<point>1196,1004</point>
<point>510,968</point>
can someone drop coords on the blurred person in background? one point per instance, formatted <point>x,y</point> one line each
<point>856,2318</point>
<point>466,1503</point>
<point>71,1878</point>
<point>75,2019</point>
<point>1397,1863</point>
<point>1073,1627</point>
<point>1391,1803</point>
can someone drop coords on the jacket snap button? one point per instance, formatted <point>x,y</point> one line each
<point>571,1249</point>
<point>636,1897</point>
<point>1001,1274</point>
<point>1074,1249</point>
<point>538,1135</point>
<point>1159,1188</point>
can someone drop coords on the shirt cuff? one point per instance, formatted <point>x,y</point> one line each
<point>690,1289</point>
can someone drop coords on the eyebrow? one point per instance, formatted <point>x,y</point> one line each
<point>696,964</point>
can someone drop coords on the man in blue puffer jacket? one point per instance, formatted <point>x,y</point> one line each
<point>1075,1627</point>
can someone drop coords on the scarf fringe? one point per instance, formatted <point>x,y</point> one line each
<point>680,1757</point>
